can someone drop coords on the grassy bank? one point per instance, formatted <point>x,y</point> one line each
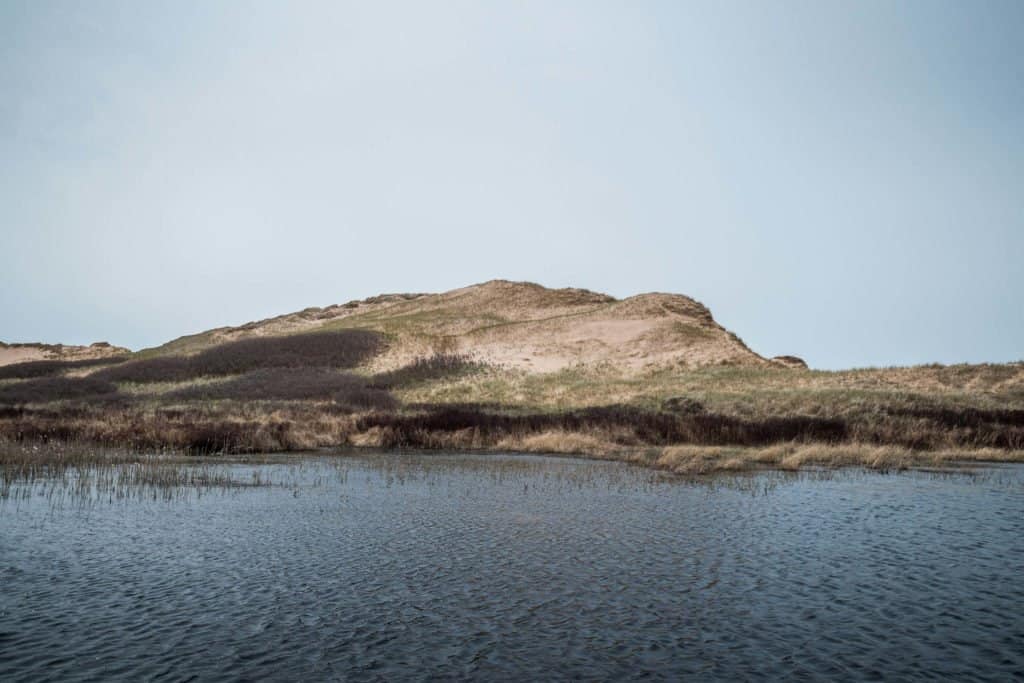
<point>318,390</point>
<point>691,444</point>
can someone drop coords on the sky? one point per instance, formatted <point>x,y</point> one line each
<point>842,181</point>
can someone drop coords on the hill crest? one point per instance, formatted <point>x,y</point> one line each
<point>27,352</point>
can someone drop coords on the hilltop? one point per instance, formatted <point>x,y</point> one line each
<point>522,326</point>
<point>23,353</point>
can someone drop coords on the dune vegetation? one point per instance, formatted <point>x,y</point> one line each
<point>628,380</point>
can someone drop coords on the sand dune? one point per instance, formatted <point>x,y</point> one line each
<point>523,326</point>
<point>21,353</point>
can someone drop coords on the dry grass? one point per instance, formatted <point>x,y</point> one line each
<point>616,434</point>
<point>741,391</point>
<point>693,459</point>
<point>560,441</point>
<point>227,427</point>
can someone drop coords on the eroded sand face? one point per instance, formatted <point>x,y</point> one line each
<point>517,325</point>
<point>520,325</point>
<point>13,355</point>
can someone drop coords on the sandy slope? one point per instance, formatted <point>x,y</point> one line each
<point>521,325</point>
<point>21,353</point>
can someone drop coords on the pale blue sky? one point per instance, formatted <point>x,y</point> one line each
<point>843,181</point>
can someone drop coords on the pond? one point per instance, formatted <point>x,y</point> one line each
<point>385,566</point>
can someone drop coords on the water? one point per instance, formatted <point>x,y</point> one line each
<point>494,567</point>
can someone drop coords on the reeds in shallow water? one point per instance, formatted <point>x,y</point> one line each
<point>85,472</point>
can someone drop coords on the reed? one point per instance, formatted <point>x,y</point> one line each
<point>88,472</point>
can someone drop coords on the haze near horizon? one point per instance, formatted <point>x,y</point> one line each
<point>838,181</point>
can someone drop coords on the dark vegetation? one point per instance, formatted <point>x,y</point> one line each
<point>239,425</point>
<point>631,425</point>
<point>964,417</point>
<point>160,369</point>
<point>319,384</point>
<point>48,389</point>
<point>682,405</point>
<point>340,349</point>
<point>48,368</point>
<point>438,366</point>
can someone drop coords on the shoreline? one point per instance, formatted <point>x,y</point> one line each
<point>707,461</point>
<point>329,389</point>
<point>686,460</point>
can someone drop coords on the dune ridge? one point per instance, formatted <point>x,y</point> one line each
<point>521,325</point>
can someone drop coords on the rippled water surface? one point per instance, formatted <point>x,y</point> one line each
<point>495,567</point>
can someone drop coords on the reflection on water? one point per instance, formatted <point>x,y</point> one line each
<point>386,566</point>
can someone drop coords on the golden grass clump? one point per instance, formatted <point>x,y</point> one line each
<point>695,459</point>
<point>559,441</point>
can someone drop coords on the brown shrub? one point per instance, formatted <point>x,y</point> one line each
<point>630,424</point>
